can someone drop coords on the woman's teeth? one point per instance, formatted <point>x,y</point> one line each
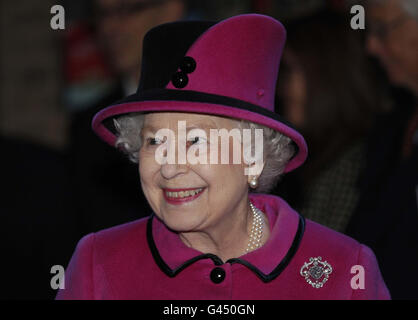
<point>183,194</point>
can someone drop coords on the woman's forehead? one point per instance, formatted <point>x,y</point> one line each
<point>169,119</point>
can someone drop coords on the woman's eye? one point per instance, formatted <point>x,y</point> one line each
<point>154,141</point>
<point>196,140</point>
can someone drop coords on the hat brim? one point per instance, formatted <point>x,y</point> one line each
<point>259,115</point>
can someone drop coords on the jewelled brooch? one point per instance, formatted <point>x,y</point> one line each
<point>316,272</point>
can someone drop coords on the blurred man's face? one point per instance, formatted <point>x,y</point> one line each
<point>122,25</point>
<point>393,38</point>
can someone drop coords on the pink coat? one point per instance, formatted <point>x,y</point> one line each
<point>145,260</point>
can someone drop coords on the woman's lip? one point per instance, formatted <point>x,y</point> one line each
<point>177,190</point>
<point>178,201</point>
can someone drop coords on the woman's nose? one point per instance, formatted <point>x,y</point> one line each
<point>170,171</point>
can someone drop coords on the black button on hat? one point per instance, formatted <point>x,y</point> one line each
<point>188,65</point>
<point>217,275</point>
<point>180,79</point>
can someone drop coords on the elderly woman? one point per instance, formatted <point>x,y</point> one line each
<point>208,236</point>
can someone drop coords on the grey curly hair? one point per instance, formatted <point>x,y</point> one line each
<point>278,149</point>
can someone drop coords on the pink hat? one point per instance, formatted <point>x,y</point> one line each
<point>227,69</point>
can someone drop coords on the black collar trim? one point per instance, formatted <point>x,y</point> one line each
<point>217,261</point>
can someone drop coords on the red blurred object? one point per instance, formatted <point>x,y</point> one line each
<point>83,60</point>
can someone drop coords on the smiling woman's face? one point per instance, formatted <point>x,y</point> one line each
<point>214,190</point>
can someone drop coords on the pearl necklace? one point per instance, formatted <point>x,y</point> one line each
<point>256,229</point>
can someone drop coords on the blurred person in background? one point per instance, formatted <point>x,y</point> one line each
<point>121,23</point>
<point>387,217</point>
<point>97,169</point>
<point>328,89</point>
<point>39,226</point>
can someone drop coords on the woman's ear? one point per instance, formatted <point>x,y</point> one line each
<point>254,170</point>
<point>253,179</point>
<point>253,143</point>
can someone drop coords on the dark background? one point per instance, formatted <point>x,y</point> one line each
<point>60,182</point>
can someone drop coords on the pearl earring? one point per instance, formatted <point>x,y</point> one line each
<point>254,182</point>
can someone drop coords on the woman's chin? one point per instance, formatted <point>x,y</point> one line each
<point>181,221</point>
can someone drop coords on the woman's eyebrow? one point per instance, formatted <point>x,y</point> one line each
<point>203,124</point>
<point>196,126</point>
<point>148,128</point>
